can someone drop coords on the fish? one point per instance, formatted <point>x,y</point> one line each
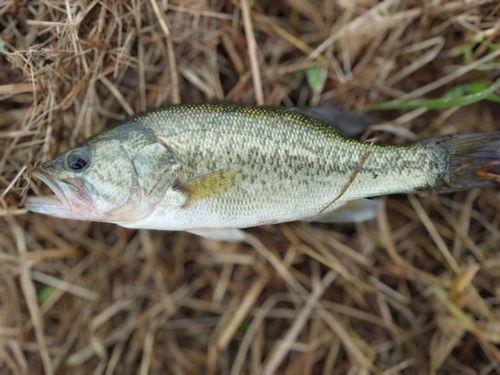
<point>215,169</point>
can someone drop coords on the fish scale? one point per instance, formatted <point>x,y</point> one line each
<point>315,159</point>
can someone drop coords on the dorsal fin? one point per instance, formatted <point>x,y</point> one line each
<point>347,123</point>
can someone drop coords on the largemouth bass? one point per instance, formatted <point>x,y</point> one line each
<point>210,169</point>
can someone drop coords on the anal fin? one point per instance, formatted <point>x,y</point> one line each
<point>353,211</point>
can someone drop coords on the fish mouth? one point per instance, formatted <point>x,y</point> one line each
<point>48,205</point>
<point>71,199</point>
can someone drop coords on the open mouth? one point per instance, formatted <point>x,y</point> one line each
<point>70,201</point>
<point>48,205</point>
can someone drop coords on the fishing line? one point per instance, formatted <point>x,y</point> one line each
<point>352,177</point>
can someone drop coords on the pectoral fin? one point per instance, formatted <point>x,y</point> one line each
<point>205,186</point>
<point>353,211</point>
<point>220,234</point>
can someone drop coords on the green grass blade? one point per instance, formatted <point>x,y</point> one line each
<point>453,98</point>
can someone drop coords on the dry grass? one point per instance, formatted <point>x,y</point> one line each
<point>414,292</point>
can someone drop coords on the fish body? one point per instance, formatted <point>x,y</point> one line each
<point>191,167</point>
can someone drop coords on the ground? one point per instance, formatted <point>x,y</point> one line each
<point>415,291</point>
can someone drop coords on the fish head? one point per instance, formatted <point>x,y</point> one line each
<point>96,181</point>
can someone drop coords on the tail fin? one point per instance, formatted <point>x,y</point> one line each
<point>473,160</point>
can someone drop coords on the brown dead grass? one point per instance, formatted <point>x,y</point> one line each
<point>414,292</point>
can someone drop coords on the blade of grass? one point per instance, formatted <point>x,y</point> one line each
<point>447,101</point>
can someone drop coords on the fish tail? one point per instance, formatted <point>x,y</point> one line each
<point>473,161</point>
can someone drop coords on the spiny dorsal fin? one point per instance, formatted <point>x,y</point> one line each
<point>205,186</point>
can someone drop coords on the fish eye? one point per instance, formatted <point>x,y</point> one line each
<point>78,160</point>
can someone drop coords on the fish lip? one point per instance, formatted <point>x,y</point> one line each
<point>49,205</point>
<point>60,189</point>
<point>51,182</point>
